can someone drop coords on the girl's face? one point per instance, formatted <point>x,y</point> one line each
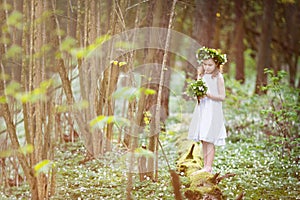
<point>209,66</point>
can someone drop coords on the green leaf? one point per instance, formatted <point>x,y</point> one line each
<point>26,149</point>
<point>43,167</point>
<point>109,119</point>
<point>13,51</point>
<point>36,94</point>
<point>15,19</point>
<point>148,91</point>
<point>122,63</point>
<point>68,44</point>
<point>128,93</point>
<point>75,107</point>
<point>6,153</point>
<point>11,152</point>
<point>3,99</point>
<point>13,88</point>
<point>102,120</point>
<point>98,119</point>
<point>4,76</point>
<point>102,39</point>
<point>143,152</point>
<point>84,52</point>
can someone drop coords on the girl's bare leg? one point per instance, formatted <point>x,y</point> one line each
<point>210,156</point>
<point>204,151</point>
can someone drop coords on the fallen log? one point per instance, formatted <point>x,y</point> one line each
<point>202,185</point>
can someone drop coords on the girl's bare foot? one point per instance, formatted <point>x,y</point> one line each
<point>204,169</point>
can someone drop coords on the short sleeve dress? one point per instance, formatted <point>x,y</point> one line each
<point>207,122</point>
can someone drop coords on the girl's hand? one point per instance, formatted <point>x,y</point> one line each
<point>215,98</point>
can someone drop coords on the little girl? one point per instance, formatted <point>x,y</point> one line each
<point>207,123</point>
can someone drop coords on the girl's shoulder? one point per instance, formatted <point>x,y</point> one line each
<point>220,79</point>
<point>218,75</point>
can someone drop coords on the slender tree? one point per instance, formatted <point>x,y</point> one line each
<point>264,48</point>
<point>291,14</point>
<point>205,20</point>
<point>239,47</point>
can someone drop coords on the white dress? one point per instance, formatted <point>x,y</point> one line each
<point>208,121</point>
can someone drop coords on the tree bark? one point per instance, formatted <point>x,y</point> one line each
<point>38,72</point>
<point>11,128</point>
<point>157,83</point>
<point>151,100</point>
<point>239,47</point>
<point>135,109</point>
<point>157,118</point>
<point>6,114</point>
<point>292,35</point>
<point>264,48</point>
<point>205,20</point>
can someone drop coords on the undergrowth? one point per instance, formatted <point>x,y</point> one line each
<point>265,161</point>
<point>107,177</point>
<point>261,171</point>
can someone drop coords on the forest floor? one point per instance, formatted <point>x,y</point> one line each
<point>266,164</point>
<point>261,172</point>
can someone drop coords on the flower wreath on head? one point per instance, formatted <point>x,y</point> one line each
<point>205,53</point>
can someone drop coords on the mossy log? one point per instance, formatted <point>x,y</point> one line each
<point>202,185</point>
<point>191,160</point>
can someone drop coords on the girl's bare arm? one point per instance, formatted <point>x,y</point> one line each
<point>221,90</point>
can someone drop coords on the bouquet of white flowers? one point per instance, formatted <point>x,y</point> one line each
<point>197,88</point>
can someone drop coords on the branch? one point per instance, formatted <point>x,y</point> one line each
<point>227,175</point>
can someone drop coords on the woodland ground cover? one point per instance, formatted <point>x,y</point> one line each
<point>266,163</point>
<point>261,172</point>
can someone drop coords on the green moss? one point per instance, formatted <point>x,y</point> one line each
<point>191,160</point>
<point>201,184</point>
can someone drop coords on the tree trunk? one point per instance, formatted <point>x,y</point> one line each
<point>190,71</point>
<point>38,72</point>
<point>292,35</point>
<point>11,129</point>
<point>158,112</point>
<point>155,102</point>
<point>133,105</point>
<point>114,75</point>
<point>239,47</point>
<point>16,40</point>
<point>105,104</point>
<point>151,100</point>
<point>6,114</point>
<point>264,48</point>
<point>205,20</point>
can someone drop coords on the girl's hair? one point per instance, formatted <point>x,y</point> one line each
<point>219,59</point>
<point>218,69</point>
<point>205,53</point>
<point>200,70</point>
